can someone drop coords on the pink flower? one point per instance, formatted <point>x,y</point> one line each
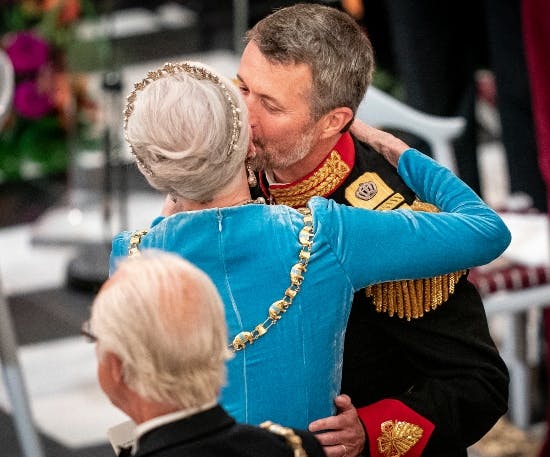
<point>30,102</point>
<point>27,51</point>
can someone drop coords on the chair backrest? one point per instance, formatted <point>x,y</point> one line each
<point>382,110</point>
<point>6,85</point>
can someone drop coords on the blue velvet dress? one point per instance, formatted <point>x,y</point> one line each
<point>292,373</point>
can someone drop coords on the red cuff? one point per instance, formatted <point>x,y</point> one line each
<point>394,429</point>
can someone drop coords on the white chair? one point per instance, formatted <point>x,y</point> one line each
<point>28,438</point>
<point>381,109</point>
<point>518,292</point>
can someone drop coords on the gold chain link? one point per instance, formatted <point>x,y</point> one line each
<point>279,307</point>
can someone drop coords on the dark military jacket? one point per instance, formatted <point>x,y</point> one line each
<point>419,362</point>
<point>213,433</point>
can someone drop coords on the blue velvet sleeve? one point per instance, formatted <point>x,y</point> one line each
<point>119,249</point>
<point>378,246</point>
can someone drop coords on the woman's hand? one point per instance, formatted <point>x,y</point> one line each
<point>382,142</point>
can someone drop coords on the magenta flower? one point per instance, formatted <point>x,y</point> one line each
<point>29,102</point>
<point>27,51</point>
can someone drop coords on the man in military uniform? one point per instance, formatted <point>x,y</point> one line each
<point>419,362</point>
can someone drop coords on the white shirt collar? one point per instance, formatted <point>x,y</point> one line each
<point>156,422</point>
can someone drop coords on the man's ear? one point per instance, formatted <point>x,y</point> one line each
<point>338,120</point>
<point>114,365</point>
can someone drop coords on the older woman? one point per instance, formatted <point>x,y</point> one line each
<point>187,128</point>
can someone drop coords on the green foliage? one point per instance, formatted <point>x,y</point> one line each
<point>35,147</point>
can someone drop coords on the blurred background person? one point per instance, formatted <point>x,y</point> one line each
<point>435,49</point>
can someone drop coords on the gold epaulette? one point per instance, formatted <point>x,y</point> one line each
<point>407,299</point>
<point>410,299</point>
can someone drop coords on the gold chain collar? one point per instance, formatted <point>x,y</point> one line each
<point>279,307</point>
<point>323,182</point>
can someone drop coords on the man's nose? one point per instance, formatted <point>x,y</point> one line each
<point>252,116</point>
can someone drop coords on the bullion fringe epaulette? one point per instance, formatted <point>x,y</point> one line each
<point>410,299</point>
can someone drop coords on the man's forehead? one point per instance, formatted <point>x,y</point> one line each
<point>275,80</point>
<point>254,63</point>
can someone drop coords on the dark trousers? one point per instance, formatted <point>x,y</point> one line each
<point>437,49</point>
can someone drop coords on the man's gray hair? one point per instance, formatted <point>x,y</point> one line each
<point>163,317</point>
<point>180,128</point>
<point>337,50</point>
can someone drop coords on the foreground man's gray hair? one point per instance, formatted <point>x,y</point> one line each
<point>163,317</point>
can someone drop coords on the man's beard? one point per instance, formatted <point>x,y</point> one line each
<point>272,158</point>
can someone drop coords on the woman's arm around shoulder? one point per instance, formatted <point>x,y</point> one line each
<point>406,244</point>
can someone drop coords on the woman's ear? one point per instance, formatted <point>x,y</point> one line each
<point>338,120</point>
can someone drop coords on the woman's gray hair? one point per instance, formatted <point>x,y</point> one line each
<point>165,320</point>
<point>188,129</point>
<point>337,50</point>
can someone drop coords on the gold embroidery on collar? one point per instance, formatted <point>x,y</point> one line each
<point>397,438</point>
<point>323,182</point>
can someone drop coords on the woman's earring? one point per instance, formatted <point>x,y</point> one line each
<point>251,177</point>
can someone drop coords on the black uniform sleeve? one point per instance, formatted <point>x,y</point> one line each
<point>438,378</point>
<point>443,366</point>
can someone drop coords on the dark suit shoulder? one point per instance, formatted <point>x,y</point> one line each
<point>246,440</point>
<point>302,442</point>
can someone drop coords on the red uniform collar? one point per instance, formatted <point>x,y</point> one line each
<point>323,181</point>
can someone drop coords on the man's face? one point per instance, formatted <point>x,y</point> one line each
<point>277,97</point>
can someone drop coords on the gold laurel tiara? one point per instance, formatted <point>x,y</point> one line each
<point>197,72</point>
